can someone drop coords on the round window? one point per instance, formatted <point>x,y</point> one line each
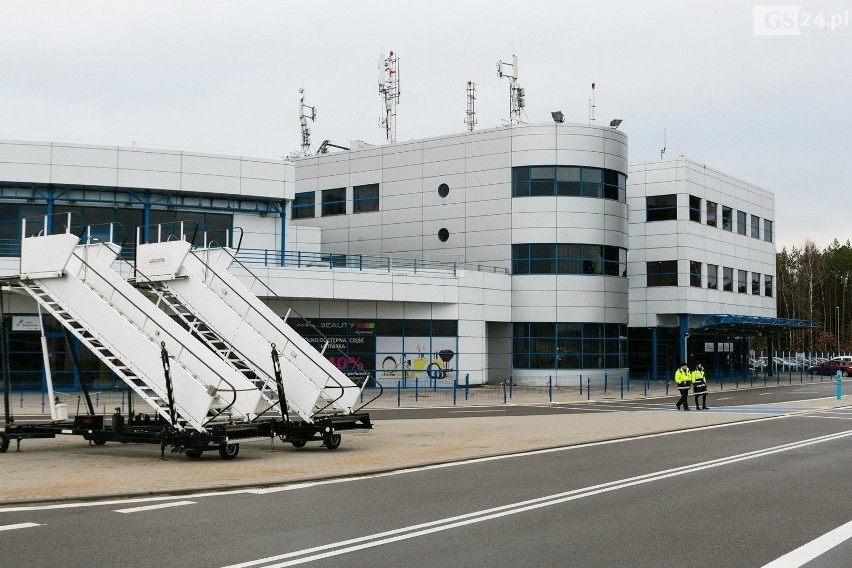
<point>443,190</point>
<point>443,235</point>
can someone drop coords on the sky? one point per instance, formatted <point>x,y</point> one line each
<point>223,76</point>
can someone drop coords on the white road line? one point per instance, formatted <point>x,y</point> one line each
<point>766,393</point>
<point>157,506</point>
<point>725,398</point>
<point>18,526</point>
<point>405,533</point>
<point>814,548</point>
<point>471,411</point>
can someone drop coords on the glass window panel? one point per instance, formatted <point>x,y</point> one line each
<point>767,285</point>
<point>695,208</point>
<point>767,230</point>
<point>755,227</point>
<point>568,173</point>
<point>755,283</point>
<point>712,277</point>
<point>304,205</point>
<point>742,280</point>
<point>542,188</point>
<point>727,218</point>
<point>538,173</point>
<point>610,177</point>
<point>741,222</point>
<point>365,198</point>
<point>695,274</point>
<point>711,213</point>
<point>521,174</point>
<point>727,279</point>
<point>334,201</point>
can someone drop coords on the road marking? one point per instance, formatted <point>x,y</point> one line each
<point>18,526</point>
<point>725,398</point>
<point>157,506</point>
<point>766,393</point>
<point>471,411</point>
<point>814,548</point>
<point>413,531</point>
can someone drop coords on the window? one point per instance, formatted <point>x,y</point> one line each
<point>711,214</point>
<point>694,208</point>
<point>755,227</point>
<point>662,273</point>
<point>695,274</point>
<point>755,284</point>
<point>568,258</point>
<point>767,230</point>
<point>767,285</point>
<point>727,218</point>
<point>570,181</point>
<point>712,277</point>
<point>742,281</point>
<point>303,205</point>
<point>727,279</point>
<point>365,198</point>
<point>661,207</point>
<point>334,201</point>
<point>741,222</point>
<point>568,345</point>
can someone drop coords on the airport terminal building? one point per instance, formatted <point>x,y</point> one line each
<point>530,252</point>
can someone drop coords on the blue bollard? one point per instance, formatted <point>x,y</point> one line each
<point>622,387</point>
<point>581,385</point>
<point>838,391</point>
<point>416,389</point>
<point>550,388</point>
<point>605,382</point>
<point>455,389</point>
<point>588,389</point>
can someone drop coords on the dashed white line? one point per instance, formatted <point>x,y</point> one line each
<point>18,526</point>
<point>157,506</point>
<point>471,411</point>
<point>814,548</point>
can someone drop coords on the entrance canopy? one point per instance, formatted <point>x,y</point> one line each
<point>745,325</point>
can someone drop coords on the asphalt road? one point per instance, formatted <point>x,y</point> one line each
<point>735,495</point>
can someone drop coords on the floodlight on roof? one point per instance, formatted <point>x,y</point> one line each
<point>558,117</point>
<point>615,122</point>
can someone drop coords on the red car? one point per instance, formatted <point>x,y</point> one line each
<point>830,367</point>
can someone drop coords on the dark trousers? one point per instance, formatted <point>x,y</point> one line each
<point>684,398</point>
<point>703,396</point>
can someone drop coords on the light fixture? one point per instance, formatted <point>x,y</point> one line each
<point>558,117</point>
<point>615,123</point>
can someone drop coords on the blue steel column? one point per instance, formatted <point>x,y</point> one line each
<point>654,353</point>
<point>146,218</point>
<point>283,231</point>
<point>49,211</point>
<point>683,324</point>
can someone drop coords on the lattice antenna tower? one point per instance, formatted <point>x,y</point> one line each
<point>592,105</point>
<point>470,116</point>
<point>389,89</point>
<point>517,94</point>
<point>303,121</point>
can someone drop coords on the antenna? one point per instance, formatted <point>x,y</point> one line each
<point>592,105</point>
<point>303,120</point>
<point>663,151</point>
<point>470,116</point>
<point>516,94</point>
<point>389,89</point>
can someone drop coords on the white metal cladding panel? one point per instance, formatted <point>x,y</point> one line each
<point>365,161</point>
<point>499,194</point>
<point>455,183</point>
<point>305,282</point>
<point>404,187</point>
<point>444,152</point>
<point>492,255</point>
<point>492,208</point>
<point>263,170</point>
<point>407,173</point>
<point>331,182</point>
<point>33,173</point>
<point>306,169</point>
<point>487,238</point>
<point>333,165</point>
<point>402,207</point>
<point>148,179</point>
<point>363,245</point>
<point>490,162</point>
<point>367,177</point>
<point>501,145</point>
<point>406,246</point>
<point>543,141</point>
<point>149,160</point>
<point>443,169</point>
<point>486,219</point>
<point>84,156</point>
<point>251,187</point>
<point>210,183</point>
<point>402,155</point>
<point>210,165</point>
<point>540,217</point>
<point>307,184</point>
<point>497,176</point>
<point>84,175</point>
<point>25,153</point>
<point>369,219</point>
<point>446,311</point>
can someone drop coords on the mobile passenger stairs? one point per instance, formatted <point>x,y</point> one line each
<point>203,372</point>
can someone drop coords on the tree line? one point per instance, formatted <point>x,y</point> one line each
<point>816,285</point>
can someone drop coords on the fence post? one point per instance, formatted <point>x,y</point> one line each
<point>416,389</point>
<point>622,387</point>
<point>606,379</point>
<point>550,388</point>
<point>398,394</point>
<point>511,385</point>
<point>504,391</point>
<point>466,386</point>
<point>581,385</point>
<point>455,389</point>
<point>645,382</point>
<point>588,388</point>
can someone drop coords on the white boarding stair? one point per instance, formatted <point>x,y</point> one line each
<point>77,285</point>
<point>201,280</point>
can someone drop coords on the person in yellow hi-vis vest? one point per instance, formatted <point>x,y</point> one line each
<point>699,386</point>
<point>683,379</point>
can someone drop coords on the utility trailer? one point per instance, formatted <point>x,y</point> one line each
<point>202,400</point>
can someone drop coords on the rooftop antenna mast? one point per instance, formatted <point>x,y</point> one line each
<point>592,105</point>
<point>663,151</point>
<point>470,117</point>
<point>516,92</point>
<point>389,89</point>
<point>303,120</point>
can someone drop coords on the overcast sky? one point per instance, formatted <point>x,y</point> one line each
<point>223,76</point>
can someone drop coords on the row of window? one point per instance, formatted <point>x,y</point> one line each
<point>568,258</point>
<point>572,181</point>
<point>664,208</point>
<point>563,345</point>
<point>365,198</point>
<point>665,273</point>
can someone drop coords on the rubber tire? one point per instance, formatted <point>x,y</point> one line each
<point>100,442</point>
<point>4,443</point>
<point>228,451</point>
<point>193,453</point>
<point>298,443</point>
<point>331,441</point>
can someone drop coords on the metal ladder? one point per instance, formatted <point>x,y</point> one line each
<point>98,346</point>
<point>193,322</point>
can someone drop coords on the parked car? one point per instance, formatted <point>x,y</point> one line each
<point>830,367</point>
